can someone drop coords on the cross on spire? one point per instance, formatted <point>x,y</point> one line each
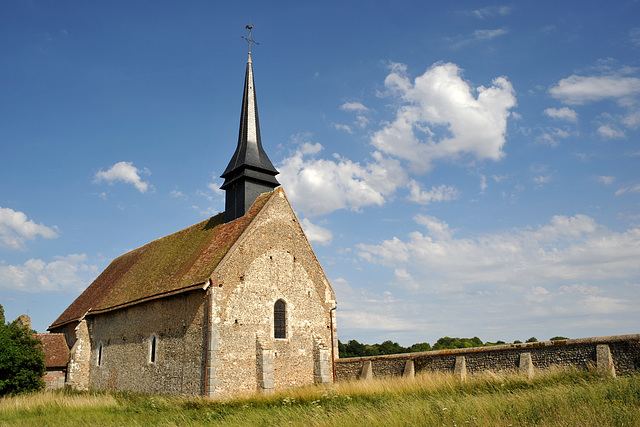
<point>250,39</point>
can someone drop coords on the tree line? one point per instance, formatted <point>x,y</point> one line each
<point>355,349</point>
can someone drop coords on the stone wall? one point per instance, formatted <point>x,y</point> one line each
<point>580,353</point>
<point>178,324</point>
<point>272,261</point>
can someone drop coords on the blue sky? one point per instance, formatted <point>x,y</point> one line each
<point>461,168</point>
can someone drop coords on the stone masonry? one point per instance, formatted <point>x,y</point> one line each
<point>610,355</point>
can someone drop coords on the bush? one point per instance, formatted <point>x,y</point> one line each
<point>21,358</point>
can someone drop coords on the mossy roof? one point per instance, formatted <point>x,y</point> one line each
<point>173,264</point>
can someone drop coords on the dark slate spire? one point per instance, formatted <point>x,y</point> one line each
<point>250,172</point>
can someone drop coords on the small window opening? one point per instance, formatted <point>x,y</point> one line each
<point>279,319</point>
<point>99,360</point>
<point>153,348</point>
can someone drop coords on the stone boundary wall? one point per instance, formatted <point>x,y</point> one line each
<point>613,354</point>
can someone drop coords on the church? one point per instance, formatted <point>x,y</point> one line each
<point>237,303</point>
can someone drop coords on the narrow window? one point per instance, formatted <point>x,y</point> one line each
<point>153,348</point>
<point>279,320</point>
<point>99,360</point>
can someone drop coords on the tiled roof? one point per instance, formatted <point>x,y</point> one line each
<point>176,263</point>
<point>56,352</point>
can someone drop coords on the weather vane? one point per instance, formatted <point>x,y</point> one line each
<point>250,39</point>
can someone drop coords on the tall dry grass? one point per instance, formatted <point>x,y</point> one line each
<point>558,397</point>
<point>55,399</point>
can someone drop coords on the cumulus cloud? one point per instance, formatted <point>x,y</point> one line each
<point>607,131</point>
<point>564,113</point>
<point>441,117</point>
<point>568,249</point>
<point>316,233</point>
<point>69,273</point>
<point>436,194</point>
<point>318,186</point>
<point>124,172</point>
<point>15,229</point>
<point>576,90</point>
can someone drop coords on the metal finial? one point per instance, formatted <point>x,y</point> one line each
<point>250,39</point>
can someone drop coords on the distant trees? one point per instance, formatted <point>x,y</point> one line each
<point>447,342</point>
<point>355,349</point>
<point>21,358</point>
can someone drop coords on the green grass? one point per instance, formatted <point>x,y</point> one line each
<point>559,398</point>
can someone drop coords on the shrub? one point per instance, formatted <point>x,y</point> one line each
<point>21,358</point>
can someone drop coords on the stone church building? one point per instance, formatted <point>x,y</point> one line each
<point>236,303</point>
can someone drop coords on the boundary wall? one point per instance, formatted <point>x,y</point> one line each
<point>611,355</point>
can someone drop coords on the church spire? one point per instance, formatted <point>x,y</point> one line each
<point>250,172</point>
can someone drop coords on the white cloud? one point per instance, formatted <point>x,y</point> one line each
<point>567,249</point>
<point>343,127</point>
<point>70,273</point>
<point>564,113</point>
<point>606,180</point>
<point>609,132</point>
<point>435,227</point>
<point>489,34</point>
<point>353,106</point>
<point>542,179</point>
<point>178,194</point>
<point>15,228</point>
<point>124,172</point>
<point>551,135</point>
<point>491,11</point>
<point>632,120</point>
<point>483,183</point>
<point>319,186</point>
<point>632,188</point>
<point>442,117</point>
<point>442,193</point>
<point>578,90</point>
<point>316,233</point>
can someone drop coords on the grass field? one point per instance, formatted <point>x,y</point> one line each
<point>558,398</point>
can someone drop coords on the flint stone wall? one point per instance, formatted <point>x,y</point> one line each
<point>272,261</point>
<point>178,324</point>
<point>580,353</point>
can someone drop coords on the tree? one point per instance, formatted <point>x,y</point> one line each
<point>21,358</point>
<point>422,346</point>
<point>532,339</point>
<point>559,338</point>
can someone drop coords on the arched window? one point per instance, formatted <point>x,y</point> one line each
<point>279,319</point>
